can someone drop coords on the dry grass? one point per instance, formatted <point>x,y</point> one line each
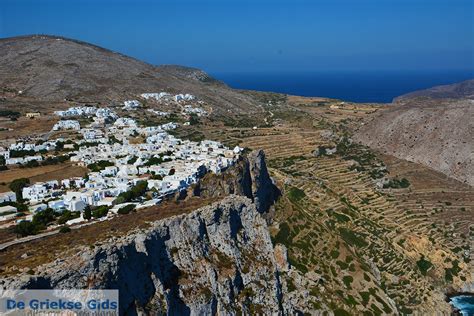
<point>58,246</point>
<point>295,100</point>
<point>284,143</point>
<point>43,173</point>
<point>24,127</point>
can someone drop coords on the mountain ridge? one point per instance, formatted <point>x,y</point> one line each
<point>458,90</point>
<point>54,68</point>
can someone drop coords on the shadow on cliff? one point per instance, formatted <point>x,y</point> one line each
<point>248,177</point>
<point>144,268</point>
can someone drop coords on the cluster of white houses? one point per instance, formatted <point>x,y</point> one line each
<point>159,113</point>
<point>67,125</point>
<point>189,109</point>
<point>168,96</point>
<point>10,159</point>
<point>169,164</point>
<point>131,105</point>
<point>88,111</point>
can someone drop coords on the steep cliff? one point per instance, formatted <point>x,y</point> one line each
<point>218,259</point>
<point>248,177</point>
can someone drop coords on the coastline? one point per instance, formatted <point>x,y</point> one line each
<point>457,311</point>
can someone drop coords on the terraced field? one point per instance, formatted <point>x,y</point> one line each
<point>354,245</point>
<point>285,142</point>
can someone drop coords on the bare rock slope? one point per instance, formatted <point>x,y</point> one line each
<point>249,177</point>
<point>216,260</point>
<point>55,68</point>
<point>437,133</point>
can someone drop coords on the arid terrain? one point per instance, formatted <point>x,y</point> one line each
<point>434,132</point>
<point>376,210</point>
<point>55,69</point>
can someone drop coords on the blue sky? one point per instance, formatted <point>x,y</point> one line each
<point>262,35</point>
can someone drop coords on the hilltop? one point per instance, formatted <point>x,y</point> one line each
<point>52,68</point>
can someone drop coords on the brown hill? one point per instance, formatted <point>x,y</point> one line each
<point>53,68</point>
<point>435,133</point>
<point>461,90</point>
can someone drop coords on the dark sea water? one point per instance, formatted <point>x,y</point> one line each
<point>464,303</point>
<point>348,86</point>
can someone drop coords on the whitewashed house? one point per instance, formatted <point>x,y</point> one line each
<point>131,105</point>
<point>57,205</point>
<point>9,196</point>
<point>67,125</point>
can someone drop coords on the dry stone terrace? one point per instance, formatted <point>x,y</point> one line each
<point>339,199</point>
<point>365,243</point>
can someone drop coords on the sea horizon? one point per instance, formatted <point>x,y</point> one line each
<point>353,86</point>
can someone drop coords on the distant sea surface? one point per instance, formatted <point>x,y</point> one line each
<point>349,86</point>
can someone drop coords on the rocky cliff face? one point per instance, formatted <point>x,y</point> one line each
<point>249,177</point>
<point>216,260</point>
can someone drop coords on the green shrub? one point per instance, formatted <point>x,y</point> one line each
<point>9,113</point>
<point>449,273</point>
<point>424,265</point>
<point>341,312</point>
<point>17,186</point>
<point>26,228</point>
<point>347,279</point>
<point>64,229</point>
<point>100,211</point>
<point>352,238</point>
<point>334,253</point>
<point>397,184</point>
<point>21,153</point>
<point>43,218</point>
<point>295,194</point>
<point>126,209</point>
<point>136,191</point>
<point>66,216</point>
<point>284,235</point>
<point>365,297</point>
<point>100,165</point>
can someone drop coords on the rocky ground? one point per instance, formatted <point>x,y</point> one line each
<point>435,133</point>
<point>218,259</point>
<point>51,69</point>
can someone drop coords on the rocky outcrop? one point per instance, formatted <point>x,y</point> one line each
<point>264,192</point>
<point>217,260</point>
<point>248,177</point>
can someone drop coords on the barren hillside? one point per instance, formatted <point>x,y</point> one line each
<point>460,90</point>
<point>54,68</point>
<point>435,133</point>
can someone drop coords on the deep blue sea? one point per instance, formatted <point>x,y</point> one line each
<point>465,303</point>
<point>348,86</point>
